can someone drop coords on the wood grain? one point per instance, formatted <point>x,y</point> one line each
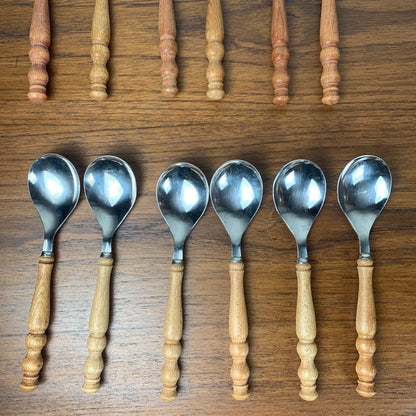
<point>376,115</point>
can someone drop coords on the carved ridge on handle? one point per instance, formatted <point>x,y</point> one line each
<point>40,39</point>
<point>238,328</point>
<point>366,329</point>
<point>168,48</point>
<point>329,52</point>
<point>98,326</point>
<point>38,323</point>
<point>173,333</point>
<point>100,52</point>
<point>280,55</point>
<point>306,332</point>
<point>215,50</point>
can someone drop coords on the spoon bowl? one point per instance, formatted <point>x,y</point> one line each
<point>110,188</point>
<point>299,191</point>
<point>182,194</point>
<point>54,187</point>
<point>364,188</point>
<point>236,194</point>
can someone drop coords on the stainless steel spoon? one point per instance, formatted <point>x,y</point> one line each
<point>110,188</point>
<point>363,190</point>
<point>182,194</point>
<point>236,194</point>
<point>54,187</point>
<point>299,191</point>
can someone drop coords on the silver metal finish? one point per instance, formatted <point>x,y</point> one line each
<point>299,191</point>
<point>364,187</point>
<point>54,187</point>
<point>110,188</point>
<point>182,196</point>
<point>236,194</point>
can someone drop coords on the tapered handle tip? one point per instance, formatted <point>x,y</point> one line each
<point>37,96</point>
<point>330,97</point>
<point>215,92</point>
<point>170,92</point>
<point>91,386</point>
<point>241,392</point>
<point>29,383</point>
<point>168,394</point>
<point>281,99</point>
<point>98,93</point>
<point>308,393</point>
<point>365,389</point>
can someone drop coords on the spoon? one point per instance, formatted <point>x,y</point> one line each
<point>363,190</point>
<point>54,188</point>
<point>299,191</point>
<point>236,194</point>
<point>110,188</point>
<point>182,197</point>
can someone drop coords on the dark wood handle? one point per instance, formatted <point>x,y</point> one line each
<point>280,56</point>
<point>38,323</point>
<point>168,48</point>
<point>40,40</point>
<point>329,52</point>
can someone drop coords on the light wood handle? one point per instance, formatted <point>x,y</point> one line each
<point>366,329</point>
<point>100,53</point>
<point>38,323</point>
<point>238,333</point>
<point>98,325</point>
<point>329,52</point>
<point>40,40</point>
<point>214,33</point>
<point>173,334</point>
<point>306,332</point>
<point>280,56</point>
<point>168,47</point>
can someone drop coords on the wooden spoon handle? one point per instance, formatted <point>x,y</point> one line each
<point>214,33</point>
<point>168,47</point>
<point>38,323</point>
<point>366,329</point>
<point>306,332</point>
<point>280,56</point>
<point>100,53</point>
<point>40,40</point>
<point>238,327</point>
<point>173,334</point>
<point>98,325</point>
<point>329,52</point>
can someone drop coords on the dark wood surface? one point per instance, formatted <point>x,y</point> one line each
<point>376,115</point>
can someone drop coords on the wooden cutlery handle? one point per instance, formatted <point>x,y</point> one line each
<point>38,323</point>
<point>168,47</point>
<point>238,327</point>
<point>173,334</point>
<point>366,329</point>
<point>280,56</point>
<point>40,40</point>
<point>100,53</point>
<point>306,332</point>
<point>98,325</point>
<point>214,33</point>
<point>329,52</point>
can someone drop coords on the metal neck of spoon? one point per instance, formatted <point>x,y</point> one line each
<point>106,248</point>
<point>236,253</point>
<point>177,257</point>
<point>364,247</point>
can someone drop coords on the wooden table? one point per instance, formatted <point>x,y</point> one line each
<point>376,115</point>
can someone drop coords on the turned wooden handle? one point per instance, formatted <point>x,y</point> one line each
<point>98,325</point>
<point>366,329</point>
<point>168,47</point>
<point>38,323</point>
<point>100,53</point>
<point>214,33</point>
<point>306,332</point>
<point>280,56</point>
<point>238,333</point>
<point>40,40</point>
<point>329,52</point>
<point>173,334</point>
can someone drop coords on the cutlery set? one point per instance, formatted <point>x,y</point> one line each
<point>214,33</point>
<point>182,194</point>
